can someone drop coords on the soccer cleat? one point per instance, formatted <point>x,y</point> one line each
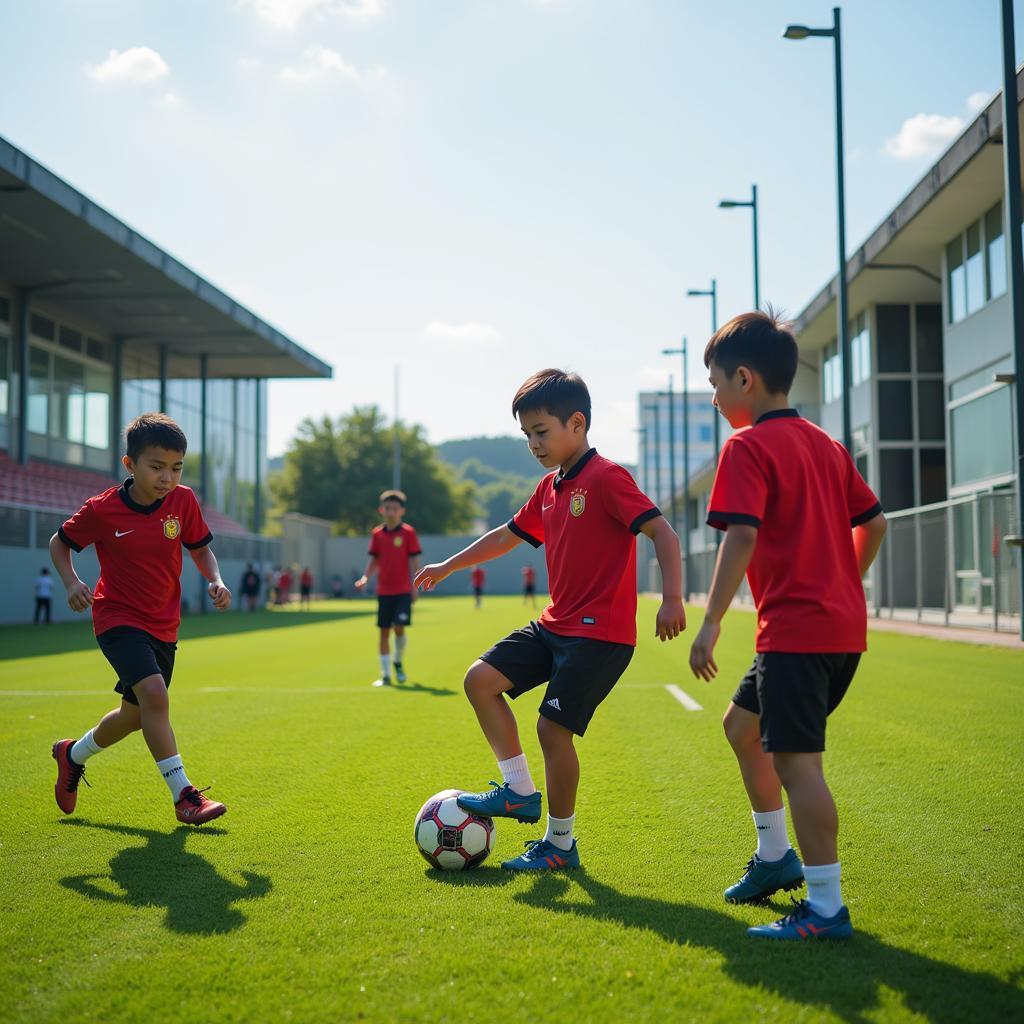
<point>804,923</point>
<point>383,681</point>
<point>541,855</point>
<point>69,775</point>
<point>399,672</point>
<point>502,802</point>
<point>765,877</point>
<point>193,808</point>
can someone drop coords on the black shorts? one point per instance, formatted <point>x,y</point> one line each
<point>394,610</point>
<point>529,590</point>
<point>136,654</point>
<point>580,672</point>
<point>478,591</point>
<point>305,591</point>
<point>794,694</point>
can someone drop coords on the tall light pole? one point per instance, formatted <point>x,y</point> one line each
<point>686,464</point>
<point>729,204</point>
<point>672,454</point>
<point>712,292</point>
<point>842,314</point>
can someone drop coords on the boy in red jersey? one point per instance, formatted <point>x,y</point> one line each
<point>478,577</point>
<point>139,529</point>
<point>804,527</point>
<point>394,557</point>
<point>530,585</point>
<point>587,513</point>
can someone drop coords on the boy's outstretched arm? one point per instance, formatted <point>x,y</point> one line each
<point>206,563</point>
<point>490,546</point>
<point>79,594</point>
<point>733,558</point>
<point>867,540</point>
<point>671,620</point>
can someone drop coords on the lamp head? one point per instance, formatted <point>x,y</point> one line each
<point>727,204</point>
<point>796,32</point>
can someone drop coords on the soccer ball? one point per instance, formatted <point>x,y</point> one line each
<point>449,837</point>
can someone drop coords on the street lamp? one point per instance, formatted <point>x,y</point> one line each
<point>803,32</point>
<point>686,463</point>
<point>712,293</point>
<point>731,204</point>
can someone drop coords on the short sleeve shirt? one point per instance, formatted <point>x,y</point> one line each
<point>392,549</point>
<point>139,550</point>
<point>802,491</point>
<point>588,520</point>
<point>478,576</point>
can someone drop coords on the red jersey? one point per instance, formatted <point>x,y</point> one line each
<point>588,519</point>
<point>306,579</point>
<point>139,548</point>
<point>477,576</point>
<point>393,549</point>
<point>801,490</point>
<point>529,575</point>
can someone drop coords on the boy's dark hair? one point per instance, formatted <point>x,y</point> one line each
<point>761,340</point>
<point>398,496</point>
<point>555,392</point>
<point>153,430</point>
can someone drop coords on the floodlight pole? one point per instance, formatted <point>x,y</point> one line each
<point>672,453</point>
<point>730,204</point>
<point>686,464</point>
<point>712,293</point>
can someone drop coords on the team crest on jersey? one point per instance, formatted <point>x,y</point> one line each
<point>172,527</point>
<point>577,503</point>
<point>398,541</point>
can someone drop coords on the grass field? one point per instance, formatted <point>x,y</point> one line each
<point>309,901</point>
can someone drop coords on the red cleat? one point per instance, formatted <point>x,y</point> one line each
<point>193,808</point>
<point>69,775</point>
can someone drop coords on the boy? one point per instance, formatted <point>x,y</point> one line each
<point>587,513</point>
<point>529,585</point>
<point>394,556</point>
<point>250,586</point>
<point>139,529</point>
<point>478,577</point>
<point>43,588</point>
<point>804,527</point>
<point>305,588</point>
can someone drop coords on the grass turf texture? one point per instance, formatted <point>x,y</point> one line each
<point>309,901</point>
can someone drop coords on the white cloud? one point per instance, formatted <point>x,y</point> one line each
<point>468,334</point>
<point>978,101</point>
<point>286,14</point>
<point>170,100</point>
<point>924,135</point>
<point>320,62</point>
<point>136,64</point>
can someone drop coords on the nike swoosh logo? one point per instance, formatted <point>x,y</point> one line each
<point>544,508</point>
<point>513,807</point>
<point>122,533</point>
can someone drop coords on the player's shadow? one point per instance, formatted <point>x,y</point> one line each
<point>433,691</point>
<point>162,873</point>
<point>476,878</point>
<point>846,978</point>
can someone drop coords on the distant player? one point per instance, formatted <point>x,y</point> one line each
<point>394,560</point>
<point>587,513</point>
<point>478,577</point>
<point>530,585</point>
<point>804,527</point>
<point>139,530</point>
<point>305,588</point>
<point>250,586</point>
<point>43,589</point>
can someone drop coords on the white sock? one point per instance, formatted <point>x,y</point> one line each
<point>823,893</point>
<point>560,832</point>
<point>174,775</point>
<point>515,772</point>
<point>772,837</point>
<point>85,748</point>
<point>400,642</point>
<point>385,666</point>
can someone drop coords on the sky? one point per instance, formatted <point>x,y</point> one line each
<point>472,190</point>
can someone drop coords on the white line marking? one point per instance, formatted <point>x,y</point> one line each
<point>684,698</point>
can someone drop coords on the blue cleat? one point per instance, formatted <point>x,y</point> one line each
<point>502,802</point>
<point>803,924</point>
<point>541,855</point>
<point>766,877</point>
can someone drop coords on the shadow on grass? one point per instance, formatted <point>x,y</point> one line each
<point>844,977</point>
<point>434,691</point>
<point>163,873</point>
<point>65,637</point>
<point>475,878</point>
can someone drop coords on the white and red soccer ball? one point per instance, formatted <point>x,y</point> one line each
<point>449,837</point>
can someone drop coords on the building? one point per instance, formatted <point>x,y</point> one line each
<point>97,324</point>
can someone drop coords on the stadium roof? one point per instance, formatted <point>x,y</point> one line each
<point>85,261</point>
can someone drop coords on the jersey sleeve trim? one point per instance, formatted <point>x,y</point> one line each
<point>65,539</point>
<point>522,534</point>
<point>195,545</point>
<point>644,517</point>
<point>722,520</point>
<point>867,515</point>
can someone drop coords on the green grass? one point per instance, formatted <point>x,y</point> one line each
<point>310,903</point>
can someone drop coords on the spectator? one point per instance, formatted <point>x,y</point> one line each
<point>337,587</point>
<point>43,587</point>
<point>305,587</point>
<point>284,586</point>
<point>250,586</point>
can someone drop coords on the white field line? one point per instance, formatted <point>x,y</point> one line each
<point>684,698</point>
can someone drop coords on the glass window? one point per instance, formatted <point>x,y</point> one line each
<point>895,411</point>
<point>70,339</point>
<point>928,320</point>
<point>897,478</point>
<point>99,387</point>
<point>931,411</point>
<point>975,269</point>
<point>995,265</point>
<point>981,435</point>
<point>831,373</point>
<point>4,396</point>
<point>893,339</point>
<point>706,433</point>
<point>38,390</point>
<point>860,350</point>
<point>67,406</point>
<point>956,280</point>
<point>979,379</point>
<point>5,309</point>
<point>42,327</point>
<point>932,472</point>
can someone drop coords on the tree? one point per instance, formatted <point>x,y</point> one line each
<point>337,470</point>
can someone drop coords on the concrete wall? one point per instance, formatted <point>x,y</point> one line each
<point>978,340</point>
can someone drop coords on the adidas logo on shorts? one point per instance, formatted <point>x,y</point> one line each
<point>553,703</point>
